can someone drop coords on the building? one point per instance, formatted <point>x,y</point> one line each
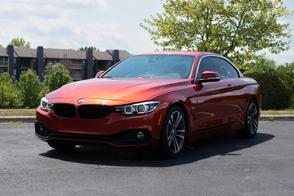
<point>81,64</point>
<point>3,60</point>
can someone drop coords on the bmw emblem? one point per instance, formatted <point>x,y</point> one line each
<point>80,101</point>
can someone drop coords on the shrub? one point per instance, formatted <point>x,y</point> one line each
<point>56,76</point>
<point>30,88</point>
<point>275,95</point>
<point>44,91</point>
<point>286,73</point>
<point>9,93</point>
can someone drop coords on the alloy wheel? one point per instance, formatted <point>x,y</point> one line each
<point>176,131</point>
<point>252,118</point>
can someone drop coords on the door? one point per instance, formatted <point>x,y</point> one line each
<point>215,103</point>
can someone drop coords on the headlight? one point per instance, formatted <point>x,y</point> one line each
<point>45,105</point>
<point>138,108</point>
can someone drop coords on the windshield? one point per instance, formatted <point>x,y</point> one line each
<point>153,66</point>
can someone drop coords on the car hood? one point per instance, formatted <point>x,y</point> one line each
<point>127,90</point>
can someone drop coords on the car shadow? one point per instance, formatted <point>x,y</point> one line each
<point>226,145</point>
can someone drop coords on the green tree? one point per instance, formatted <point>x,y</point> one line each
<point>236,29</point>
<point>275,94</point>
<point>56,76</point>
<point>88,47</point>
<point>286,73</point>
<point>9,93</point>
<point>20,42</point>
<point>30,88</point>
<point>262,64</point>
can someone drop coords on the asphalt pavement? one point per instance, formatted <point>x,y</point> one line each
<point>224,165</point>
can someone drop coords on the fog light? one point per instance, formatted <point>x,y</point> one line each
<point>140,135</point>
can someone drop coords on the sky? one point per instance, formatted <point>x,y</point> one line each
<point>105,24</point>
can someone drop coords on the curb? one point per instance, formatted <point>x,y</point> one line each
<point>277,117</point>
<point>31,119</point>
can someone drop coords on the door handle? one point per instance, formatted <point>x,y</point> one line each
<point>229,84</point>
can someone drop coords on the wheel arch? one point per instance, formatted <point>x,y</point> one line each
<point>181,105</point>
<point>255,99</point>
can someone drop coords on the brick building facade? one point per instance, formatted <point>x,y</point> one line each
<point>81,64</point>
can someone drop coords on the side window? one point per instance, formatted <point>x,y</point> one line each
<point>231,72</point>
<point>223,67</point>
<point>211,64</point>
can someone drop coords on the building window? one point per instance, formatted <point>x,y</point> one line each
<point>76,74</point>
<point>3,61</point>
<point>3,69</point>
<point>77,64</point>
<point>53,61</point>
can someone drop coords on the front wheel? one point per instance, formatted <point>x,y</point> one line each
<point>251,121</point>
<point>173,133</point>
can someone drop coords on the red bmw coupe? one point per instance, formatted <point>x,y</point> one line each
<point>162,99</point>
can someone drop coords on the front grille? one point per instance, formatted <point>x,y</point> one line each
<point>94,111</point>
<point>65,110</point>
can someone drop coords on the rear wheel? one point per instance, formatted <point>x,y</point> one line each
<point>173,133</point>
<point>251,121</point>
<point>60,146</point>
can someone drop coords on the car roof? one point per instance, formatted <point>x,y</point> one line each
<point>184,53</point>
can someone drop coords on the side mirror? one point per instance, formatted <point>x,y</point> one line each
<point>99,73</point>
<point>209,76</point>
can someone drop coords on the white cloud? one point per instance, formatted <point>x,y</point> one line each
<point>96,3</point>
<point>32,4</point>
<point>55,23</point>
<point>76,23</point>
<point>283,57</point>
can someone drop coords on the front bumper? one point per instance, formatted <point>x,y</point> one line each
<point>114,129</point>
<point>127,138</point>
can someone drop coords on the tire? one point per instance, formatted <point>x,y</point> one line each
<point>173,133</point>
<point>60,146</point>
<point>251,121</point>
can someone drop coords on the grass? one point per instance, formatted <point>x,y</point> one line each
<point>31,112</point>
<point>11,123</point>
<point>278,112</point>
<point>17,112</point>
